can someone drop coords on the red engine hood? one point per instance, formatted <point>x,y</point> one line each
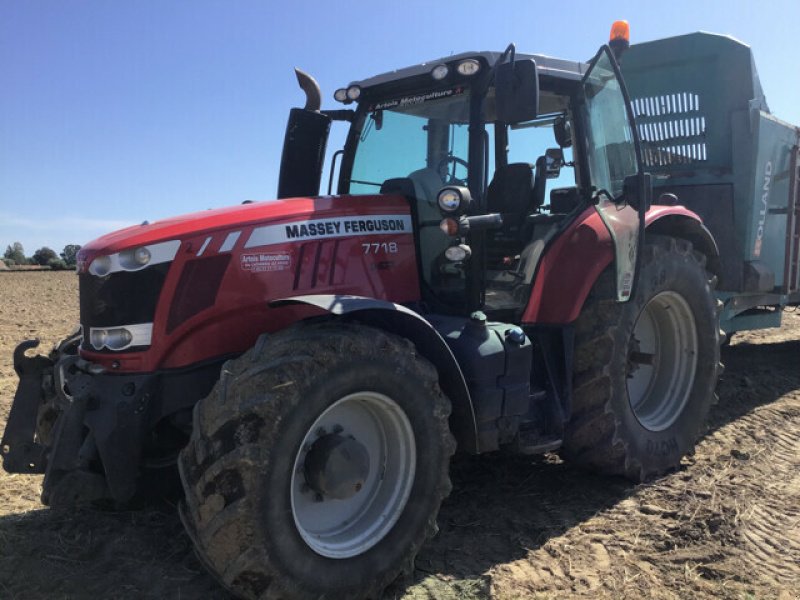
<point>207,221</point>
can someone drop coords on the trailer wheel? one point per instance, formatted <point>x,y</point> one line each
<point>645,370</point>
<point>317,464</point>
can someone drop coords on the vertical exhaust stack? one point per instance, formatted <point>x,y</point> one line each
<point>311,88</point>
<point>304,143</point>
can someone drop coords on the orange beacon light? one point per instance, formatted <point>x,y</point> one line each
<point>619,40</point>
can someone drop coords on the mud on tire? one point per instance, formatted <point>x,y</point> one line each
<point>240,466</point>
<point>640,404</point>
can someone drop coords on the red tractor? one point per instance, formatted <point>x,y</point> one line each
<point>491,273</point>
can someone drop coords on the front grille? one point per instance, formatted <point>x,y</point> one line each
<point>123,298</point>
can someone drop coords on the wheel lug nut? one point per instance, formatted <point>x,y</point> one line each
<point>321,431</point>
<point>338,429</point>
<point>305,488</point>
<point>318,498</point>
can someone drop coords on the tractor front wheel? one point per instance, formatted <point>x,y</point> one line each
<point>318,463</point>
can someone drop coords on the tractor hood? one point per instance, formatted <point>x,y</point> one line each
<point>211,224</point>
<point>191,288</point>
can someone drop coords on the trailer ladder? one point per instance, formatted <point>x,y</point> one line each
<point>792,274</point>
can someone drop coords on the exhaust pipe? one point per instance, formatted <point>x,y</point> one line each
<point>311,88</point>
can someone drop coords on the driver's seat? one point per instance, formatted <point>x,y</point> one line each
<point>514,193</point>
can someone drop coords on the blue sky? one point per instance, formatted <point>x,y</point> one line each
<point>116,112</point>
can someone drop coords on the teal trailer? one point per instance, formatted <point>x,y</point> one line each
<point>712,144</point>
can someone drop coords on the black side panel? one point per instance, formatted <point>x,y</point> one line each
<point>197,288</point>
<point>714,204</point>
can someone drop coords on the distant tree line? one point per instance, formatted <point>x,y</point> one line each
<point>44,256</point>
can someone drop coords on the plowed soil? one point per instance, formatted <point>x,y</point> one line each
<point>725,525</point>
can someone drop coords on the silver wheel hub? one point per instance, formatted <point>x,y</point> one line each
<point>336,466</point>
<point>662,361</point>
<point>353,475</point>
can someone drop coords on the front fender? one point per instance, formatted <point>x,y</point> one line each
<point>568,270</point>
<point>409,324</point>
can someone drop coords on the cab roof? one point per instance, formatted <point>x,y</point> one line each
<point>546,65</point>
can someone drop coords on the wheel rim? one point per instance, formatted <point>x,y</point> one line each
<point>662,361</point>
<point>342,528</point>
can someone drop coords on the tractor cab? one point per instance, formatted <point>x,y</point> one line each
<point>497,153</point>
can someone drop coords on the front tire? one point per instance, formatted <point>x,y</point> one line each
<point>645,370</point>
<point>317,464</point>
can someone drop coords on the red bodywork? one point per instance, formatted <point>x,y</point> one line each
<point>354,264</point>
<point>379,265</point>
<point>572,264</point>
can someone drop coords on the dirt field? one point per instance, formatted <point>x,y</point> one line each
<point>727,525</point>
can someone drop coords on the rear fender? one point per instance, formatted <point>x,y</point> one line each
<point>680,222</point>
<point>571,266</point>
<point>406,323</point>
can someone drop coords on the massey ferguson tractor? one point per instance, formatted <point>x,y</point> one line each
<point>513,259</point>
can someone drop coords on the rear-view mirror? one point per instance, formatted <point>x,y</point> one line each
<point>517,91</point>
<point>554,160</point>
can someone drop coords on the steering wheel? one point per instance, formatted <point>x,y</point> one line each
<point>444,167</point>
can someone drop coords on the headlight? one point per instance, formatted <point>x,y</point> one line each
<point>439,72</point>
<point>340,95</point>
<point>100,266</point>
<point>141,256</point>
<point>97,338</point>
<point>458,253</point>
<point>118,338</point>
<point>135,259</point>
<point>121,338</point>
<point>449,200</point>
<point>454,199</point>
<point>468,67</point>
<point>353,92</point>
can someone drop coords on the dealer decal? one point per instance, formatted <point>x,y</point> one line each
<point>262,262</point>
<point>316,229</point>
<point>417,99</point>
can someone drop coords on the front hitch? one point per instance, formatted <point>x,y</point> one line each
<point>22,453</point>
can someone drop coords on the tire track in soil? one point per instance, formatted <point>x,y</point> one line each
<point>687,533</point>
<point>771,524</point>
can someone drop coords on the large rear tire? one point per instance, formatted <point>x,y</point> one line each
<point>318,463</point>
<point>645,370</point>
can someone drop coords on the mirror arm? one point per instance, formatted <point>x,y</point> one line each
<point>511,49</point>
<point>345,114</point>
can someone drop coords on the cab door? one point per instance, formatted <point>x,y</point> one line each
<point>620,188</point>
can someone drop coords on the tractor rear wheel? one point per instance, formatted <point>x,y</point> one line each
<point>318,463</point>
<point>645,370</point>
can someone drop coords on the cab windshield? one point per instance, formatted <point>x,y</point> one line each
<point>422,137</point>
